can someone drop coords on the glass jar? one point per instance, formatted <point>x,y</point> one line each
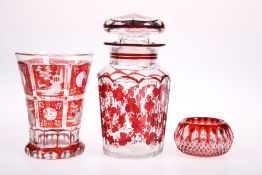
<point>133,90</point>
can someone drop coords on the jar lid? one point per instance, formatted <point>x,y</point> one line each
<point>134,23</point>
<point>134,30</point>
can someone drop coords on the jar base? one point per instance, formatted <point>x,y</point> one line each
<point>54,153</point>
<point>132,153</point>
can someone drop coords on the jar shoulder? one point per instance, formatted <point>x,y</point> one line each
<point>144,70</point>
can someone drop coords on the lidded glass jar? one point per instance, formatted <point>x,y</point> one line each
<point>133,89</point>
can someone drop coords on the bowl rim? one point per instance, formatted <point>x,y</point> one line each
<point>187,121</point>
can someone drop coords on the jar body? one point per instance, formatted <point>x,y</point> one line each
<point>133,103</point>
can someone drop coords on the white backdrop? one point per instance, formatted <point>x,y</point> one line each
<point>213,55</point>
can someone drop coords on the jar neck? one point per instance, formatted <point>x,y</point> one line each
<point>132,62</point>
<point>133,56</point>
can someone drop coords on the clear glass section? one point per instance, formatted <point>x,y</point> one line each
<point>54,86</point>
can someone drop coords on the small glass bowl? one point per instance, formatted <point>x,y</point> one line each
<point>203,136</point>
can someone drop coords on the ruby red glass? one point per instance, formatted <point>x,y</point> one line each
<point>203,136</point>
<point>54,86</point>
<point>133,90</point>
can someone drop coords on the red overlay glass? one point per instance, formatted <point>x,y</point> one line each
<point>203,136</point>
<point>54,86</point>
